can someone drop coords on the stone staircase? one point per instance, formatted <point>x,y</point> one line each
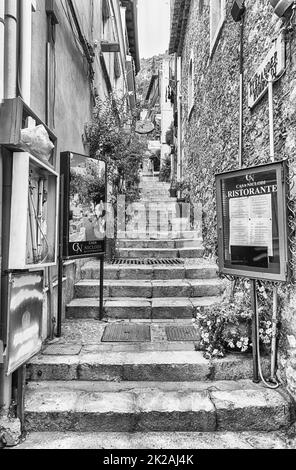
<point>157,393</point>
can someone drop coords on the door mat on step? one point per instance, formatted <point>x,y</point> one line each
<point>62,350</point>
<point>149,261</point>
<point>181,333</point>
<point>126,333</point>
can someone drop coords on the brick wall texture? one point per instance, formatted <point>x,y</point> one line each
<point>211,130</point>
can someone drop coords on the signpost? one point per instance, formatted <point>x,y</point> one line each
<point>83,199</point>
<point>144,127</point>
<point>252,233</point>
<point>274,65</point>
<point>252,226</point>
<point>84,214</point>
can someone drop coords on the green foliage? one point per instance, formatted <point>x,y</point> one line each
<point>165,170</point>
<point>111,136</point>
<point>89,186</point>
<point>227,326</point>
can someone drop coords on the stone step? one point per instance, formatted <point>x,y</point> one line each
<point>159,235</point>
<point>156,200</point>
<point>138,307</point>
<point>134,243</point>
<point>156,440</point>
<point>200,270</point>
<point>149,289</point>
<point>97,406</point>
<point>140,253</point>
<point>140,362</point>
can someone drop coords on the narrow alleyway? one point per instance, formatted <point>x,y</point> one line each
<point>136,380</point>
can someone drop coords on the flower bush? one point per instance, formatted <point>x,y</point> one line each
<point>111,136</point>
<point>226,327</point>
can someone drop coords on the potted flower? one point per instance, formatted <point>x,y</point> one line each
<point>227,327</point>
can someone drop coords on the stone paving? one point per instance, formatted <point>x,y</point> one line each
<point>155,440</point>
<point>161,394</point>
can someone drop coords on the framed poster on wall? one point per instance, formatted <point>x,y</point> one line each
<point>84,193</point>
<point>252,222</point>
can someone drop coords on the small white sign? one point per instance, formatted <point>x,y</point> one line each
<point>274,63</point>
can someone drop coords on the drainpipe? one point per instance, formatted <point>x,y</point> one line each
<point>241,98</point>
<point>2,12</point>
<point>275,292</point>
<point>25,49</point>
<point>179,114</point>
<point>9,91</point>
<point>10,52</point>
<point>2,23</point>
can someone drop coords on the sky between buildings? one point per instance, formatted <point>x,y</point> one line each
<point>154,27</point>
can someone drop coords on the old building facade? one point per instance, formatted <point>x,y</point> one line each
<point>56,57</point>
<point>216,131</point>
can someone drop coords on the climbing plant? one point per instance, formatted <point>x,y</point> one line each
<point>111,136</point>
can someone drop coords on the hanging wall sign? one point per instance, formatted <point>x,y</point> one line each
<point>252,228</point>
<point>144,127</point>
<point>273,63</point>
<point>83,210</point>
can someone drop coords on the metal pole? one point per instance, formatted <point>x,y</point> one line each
<point>271,126</point>
<point>60,261</point>
<point>254,331</point>
<point>21,379</point>
<point>275,291</point>
<point>101,314</point>
<point>241,98</point>
<point>273,338</point>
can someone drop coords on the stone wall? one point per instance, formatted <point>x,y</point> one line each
<point>211,130</point>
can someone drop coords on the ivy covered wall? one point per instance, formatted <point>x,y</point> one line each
<point>211,130</point>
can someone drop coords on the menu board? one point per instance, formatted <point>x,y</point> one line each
<point>251,222</point>
<point>252,228</point>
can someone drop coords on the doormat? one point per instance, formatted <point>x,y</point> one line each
<point>126,333</point>
<point>149,261</point>
<point>181,333</point>
<point>62,350</point>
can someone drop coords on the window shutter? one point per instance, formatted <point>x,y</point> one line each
<point>105,10</point>
<point>117,70</point>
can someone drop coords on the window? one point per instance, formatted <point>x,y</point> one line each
<point>190,85</point>
<point>105,10</point>
<point>217,18</point>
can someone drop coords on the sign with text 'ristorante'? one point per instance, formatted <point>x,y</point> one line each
<point>274,64</point>
<point>252,228</point>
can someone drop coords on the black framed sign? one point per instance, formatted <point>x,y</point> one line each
<point>252,222</point>
<point>83,208</point>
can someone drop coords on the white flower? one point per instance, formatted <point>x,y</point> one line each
<point>239,344</point>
